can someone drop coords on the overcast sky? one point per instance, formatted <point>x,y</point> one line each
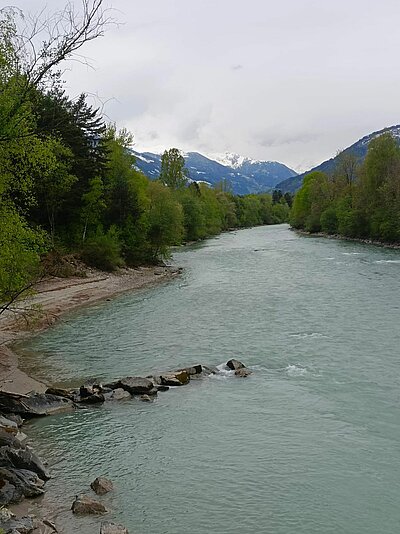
<point>285,80</point>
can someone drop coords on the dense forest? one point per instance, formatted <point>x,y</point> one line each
<point>68,182</point>
<point>358,200</point>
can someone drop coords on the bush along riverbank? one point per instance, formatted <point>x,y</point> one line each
<point>23,474</point>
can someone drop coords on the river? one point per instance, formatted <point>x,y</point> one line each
<point>310,443</point>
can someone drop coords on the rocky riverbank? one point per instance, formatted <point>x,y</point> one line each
<point>24,395</point>
<point>23,474</point>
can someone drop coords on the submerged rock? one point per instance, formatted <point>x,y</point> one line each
<point>101,485</point>
<point>146,398</point>
<point>112,528</point>
<point>243,372</point>
<point>235,364</point>
<point>34,405</point>
<point>85,505</point>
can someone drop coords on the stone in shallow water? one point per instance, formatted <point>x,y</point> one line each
<point>235,364</point>
<point>101,485</point>
<point>85,505</point>
<point>136,385</point>
<point>112,528</point>
<point>120,394</point>
<point>243,372</point>
<point>36,404</point>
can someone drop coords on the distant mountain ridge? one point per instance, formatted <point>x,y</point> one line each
<point>359,149</point>
<point>243,174</point>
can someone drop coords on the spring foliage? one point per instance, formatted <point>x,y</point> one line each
<point>357,200</point>
<point>68,181</point>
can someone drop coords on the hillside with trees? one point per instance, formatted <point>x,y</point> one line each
<point>358,200</point>
<point>68,181</point>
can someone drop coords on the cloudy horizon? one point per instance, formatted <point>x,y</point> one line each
<point>293,82</point>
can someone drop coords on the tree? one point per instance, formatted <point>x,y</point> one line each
<point>173,172</point>
<point>165,221</point>
<point>25,66</point>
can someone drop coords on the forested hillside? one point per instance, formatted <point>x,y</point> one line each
<point>355,200</point>
<point>68,182</point>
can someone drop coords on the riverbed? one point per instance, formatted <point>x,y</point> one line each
<point>308,444</point>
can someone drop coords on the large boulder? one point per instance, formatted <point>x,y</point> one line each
<point>176,378</point>
<point>235,364</point>
<point>112,528</point>
<point>23,458</point>
<point>101,485</point>
<point>136,385</point>
<point>18,483</point>
<point>85,505</point>
<point>34,405</point>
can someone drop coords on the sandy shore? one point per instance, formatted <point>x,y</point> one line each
<point>52,299</point>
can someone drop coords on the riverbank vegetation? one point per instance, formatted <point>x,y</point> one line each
<point>358,200</point>
<point>68,182</point>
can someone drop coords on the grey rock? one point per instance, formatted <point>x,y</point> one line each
<point>136,385</point>
<point>194,370</point>
<point>85,505</point>
<point>243,372</point>
<point>120,394</point>
<point>101,485</point>
<point>60,392</point>
<point>145,398</point>
<point>23,459</point>
<point>34,405</point>
<point>18,483</point>
<point>235,364</point>
<point>162,388</point>
<point>8,425</point>
<point>9,440</point>
<point>176,378</point>
<point>24,525</point>
<point>112,528</point>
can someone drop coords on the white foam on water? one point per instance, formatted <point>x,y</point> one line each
<point>351,253</point>
<point>295,370</point>
<point>305,335</point>
<point>223,371</point>
<point>387,261</point>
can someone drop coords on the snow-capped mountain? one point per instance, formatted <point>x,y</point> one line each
<point>244,174</point>
<point>359,149</point>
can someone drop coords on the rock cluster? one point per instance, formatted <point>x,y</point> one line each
<point>22,473</point>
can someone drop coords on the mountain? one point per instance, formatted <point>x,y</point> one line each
<point>359,149</point>
<point>243,174</point>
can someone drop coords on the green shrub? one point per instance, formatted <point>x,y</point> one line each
<point>103,251</point>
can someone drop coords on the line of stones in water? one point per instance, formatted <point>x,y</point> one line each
<point>23,474</point>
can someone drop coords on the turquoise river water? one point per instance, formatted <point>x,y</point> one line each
<point>310,443</point>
